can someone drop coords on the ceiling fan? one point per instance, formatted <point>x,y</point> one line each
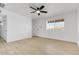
<point>38,10</point>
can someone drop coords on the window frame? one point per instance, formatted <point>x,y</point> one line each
<point>54,21</point>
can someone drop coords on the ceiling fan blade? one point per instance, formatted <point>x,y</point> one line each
<point>43,11</point>
<point>33,12</point>
<point>38,14</point>
<point>41,7</point>
<point>33,8</point>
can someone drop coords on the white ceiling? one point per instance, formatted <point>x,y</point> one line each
<point>52,8</point>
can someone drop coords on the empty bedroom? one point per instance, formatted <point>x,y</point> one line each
<point>39,28</point>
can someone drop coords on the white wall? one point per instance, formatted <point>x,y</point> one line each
<point>78,26</point>
<point>69,33</point>
<point>18,27</point>
<point>71,27</point>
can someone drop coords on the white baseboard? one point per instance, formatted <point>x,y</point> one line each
<point>55,38</point>
<point>12,40</point>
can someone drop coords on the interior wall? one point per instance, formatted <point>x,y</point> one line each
<point>70,28</point>
<point>78,26</point>
<point>18,26</point>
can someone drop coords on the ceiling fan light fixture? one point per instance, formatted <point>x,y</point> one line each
<point>38,11</point>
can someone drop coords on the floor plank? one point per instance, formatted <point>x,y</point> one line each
<point>38,46</point>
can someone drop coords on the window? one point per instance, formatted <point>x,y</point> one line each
<point>56,24</point>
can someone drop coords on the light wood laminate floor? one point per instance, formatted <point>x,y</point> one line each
<point>38,46</point>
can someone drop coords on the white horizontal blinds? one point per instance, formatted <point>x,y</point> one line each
<point>56,20</point>
<point>51,20</point>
